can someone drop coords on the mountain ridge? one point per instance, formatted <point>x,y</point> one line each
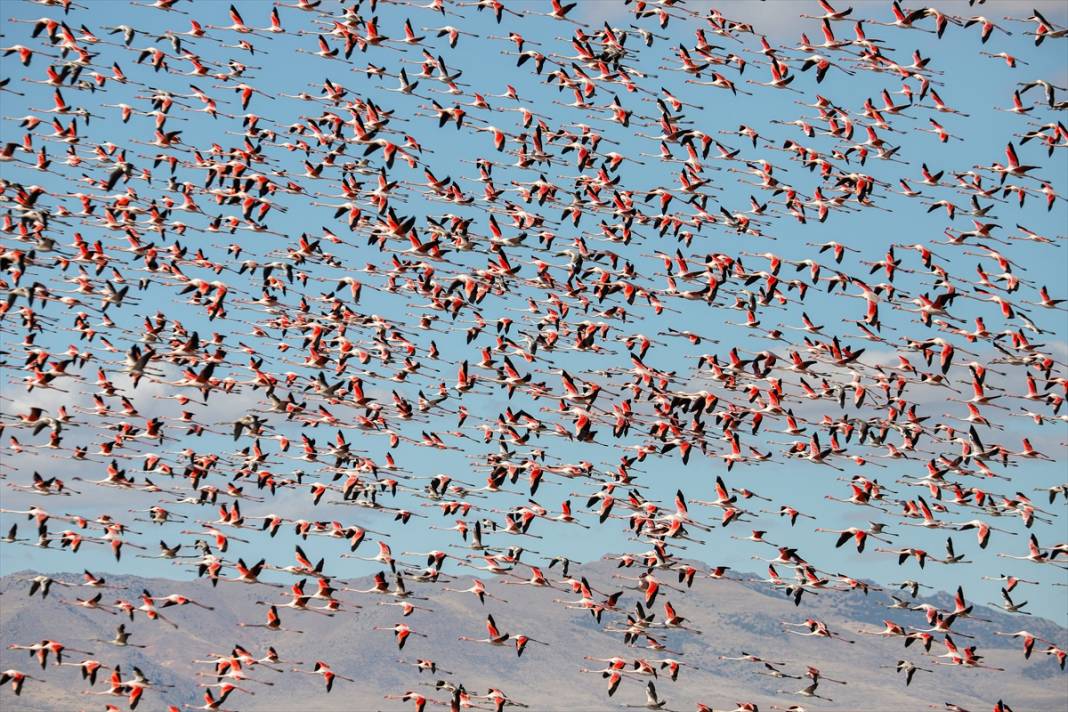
<point>733,617</point>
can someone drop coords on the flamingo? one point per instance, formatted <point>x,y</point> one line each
<point>202,324</point>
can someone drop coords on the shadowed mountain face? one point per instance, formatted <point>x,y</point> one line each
<point>732,617</point>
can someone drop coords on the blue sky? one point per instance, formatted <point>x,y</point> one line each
<point>972,83</point>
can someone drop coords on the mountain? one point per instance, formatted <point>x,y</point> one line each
<point>732,617</point>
